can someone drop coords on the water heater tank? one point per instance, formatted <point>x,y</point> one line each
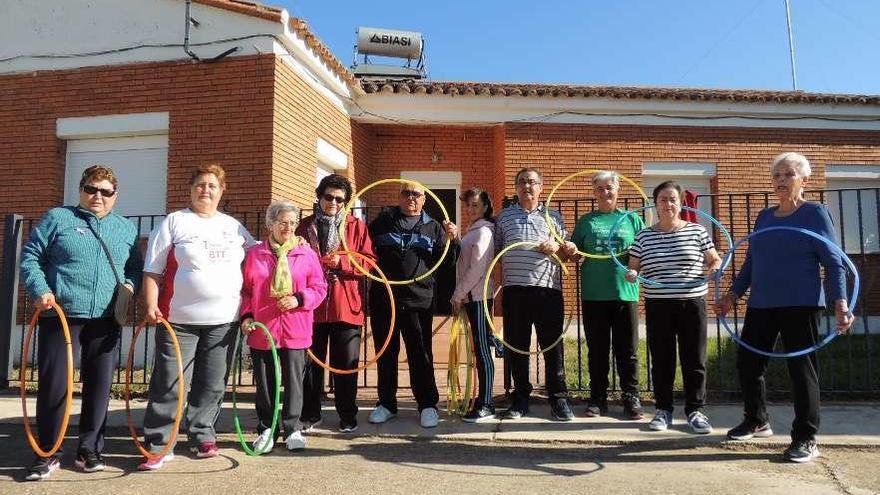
<point>389,42</point>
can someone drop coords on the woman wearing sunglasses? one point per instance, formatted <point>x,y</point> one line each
<point>63,262</point>
<point>339,318</point>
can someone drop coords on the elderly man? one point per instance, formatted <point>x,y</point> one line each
<point>407,243</point>
<point>532,294</point>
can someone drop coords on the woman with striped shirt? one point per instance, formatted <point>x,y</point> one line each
<point>675,252</point>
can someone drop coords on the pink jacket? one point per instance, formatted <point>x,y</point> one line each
<point>291,329</point>
<point>477,251</point>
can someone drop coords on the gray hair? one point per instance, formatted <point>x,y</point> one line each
<point>607,175</point>
<point>800,162</point>
<point>277,208</point>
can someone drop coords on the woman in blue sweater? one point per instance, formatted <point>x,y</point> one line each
<point>63,262</point>
<point>787,297</point>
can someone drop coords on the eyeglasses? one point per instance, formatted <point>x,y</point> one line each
<point>408,193</point>
<point>89,189</point>
<point>331,199</point>
<point>286,225</point>
<point>528,182</point>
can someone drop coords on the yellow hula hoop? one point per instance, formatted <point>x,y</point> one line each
<point>555,234</point>
<point>363,270</point>
<point>489,319</point>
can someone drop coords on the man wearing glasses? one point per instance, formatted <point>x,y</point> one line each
<point>407,243</point>
<point>532,294</point>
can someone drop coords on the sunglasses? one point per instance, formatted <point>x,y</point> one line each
<point>407,193</point>
<point>331,199</point>
<point>89,189</point>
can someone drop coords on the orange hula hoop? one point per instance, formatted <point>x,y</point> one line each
<point>181,392</point>
<point>68,404</point>
<point>375,358</point>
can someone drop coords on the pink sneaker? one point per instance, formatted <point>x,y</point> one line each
<point>205,450</point>
<point>155,464</point>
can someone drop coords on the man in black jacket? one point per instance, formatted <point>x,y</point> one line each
<point>407,243</point>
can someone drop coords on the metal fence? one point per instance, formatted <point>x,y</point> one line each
<point>847,365</point>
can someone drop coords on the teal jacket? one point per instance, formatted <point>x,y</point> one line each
<point>63,256</point>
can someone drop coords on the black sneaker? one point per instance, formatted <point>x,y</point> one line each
<point>479,415</point>
<point>89,461</point>
<point>596,408</point>
<point>560,410</point>
<point>42,468</point>
<point>518,408</point>
<point>632,407</point>
<point>748,429</point>
<point>801,451</point>
<point>348,425</point>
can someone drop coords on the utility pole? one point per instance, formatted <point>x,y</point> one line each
<point>791,46</point>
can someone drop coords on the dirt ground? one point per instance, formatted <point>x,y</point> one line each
<point>366,465</point>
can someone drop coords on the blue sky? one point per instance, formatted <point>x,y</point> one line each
<point>709,43</point>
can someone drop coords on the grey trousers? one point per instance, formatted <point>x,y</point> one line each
<point>207,352</point>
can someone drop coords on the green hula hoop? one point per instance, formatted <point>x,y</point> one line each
<point>236,367</point>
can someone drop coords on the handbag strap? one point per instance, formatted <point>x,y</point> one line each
<point>106,251</point>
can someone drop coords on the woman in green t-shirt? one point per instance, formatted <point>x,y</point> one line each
<point>609,303</point>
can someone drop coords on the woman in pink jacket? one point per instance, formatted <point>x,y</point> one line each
<point>477,251</point>
<point>283,284</point>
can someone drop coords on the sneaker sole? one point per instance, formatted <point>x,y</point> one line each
<point>563,419</point>
<point>701,431</point>
<point>377,422</point>
<point>82,466</point>
<point>348,430</point>
<point>802,460</point>
<point>658,428</point>
<point>484,419</point>
<point>758,434</point>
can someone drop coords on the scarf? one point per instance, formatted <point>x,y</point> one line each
<point>282,283</point>
<point>330,242</point>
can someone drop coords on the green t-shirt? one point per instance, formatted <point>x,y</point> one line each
<point>601,280</point>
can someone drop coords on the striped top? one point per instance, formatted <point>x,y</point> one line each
<point>527,267</point>
<point>672,257</point>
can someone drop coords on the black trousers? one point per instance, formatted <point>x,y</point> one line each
<point>524,306</point>
<point>799,327</point>
<point>482,351</point>
<point>292,363</point>
<point>611,325</point>
<point>684,321</point>
<point>344,340</point>
<point>414,325</point>
<point>95,343</point>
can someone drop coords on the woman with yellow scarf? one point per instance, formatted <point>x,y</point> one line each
<point>283,284</point>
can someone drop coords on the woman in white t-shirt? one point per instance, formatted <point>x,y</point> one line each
<point>192,278</point>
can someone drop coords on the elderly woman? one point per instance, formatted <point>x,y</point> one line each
<point>283,284</point>
<point>195,255</point>
<point>787,297</point>
<point>676,253</point>
<point>477,251</point>
<point>610,303</point>
<point>63,262</point>
<point>339,318</point>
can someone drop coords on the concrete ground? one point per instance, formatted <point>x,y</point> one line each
<point>531,455</point>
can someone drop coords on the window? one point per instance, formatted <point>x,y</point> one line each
<point>693,177</point>
<point>847,188</point>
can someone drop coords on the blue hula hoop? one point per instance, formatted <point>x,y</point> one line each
<point>831,335</point>
<point>685,285</point>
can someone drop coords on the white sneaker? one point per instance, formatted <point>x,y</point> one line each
<point>381,414</point>
<point>264,443</point>
<point>429,417</point>
<point>295,441</point>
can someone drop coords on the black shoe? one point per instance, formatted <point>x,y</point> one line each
<point>560,410</point>
<point>479,415</point>
<point>632,407</point>
<point>748,429</point>
<point>89,461</point>
<point>518,408</point>
<point>348,425</point>
<point>801,451</point>
<point>596,408</point>
<point>42,468</point>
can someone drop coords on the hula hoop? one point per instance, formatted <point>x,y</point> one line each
<point>275,405</point>
<point>392,305</point>
<point>366,272</point>
<point>489,318</point>
<point>685,285</point>
<point>455,403</point>
<point>68,402</point>
<point>181,392</point>
<point>831,335</point>
<point>555,234</point>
